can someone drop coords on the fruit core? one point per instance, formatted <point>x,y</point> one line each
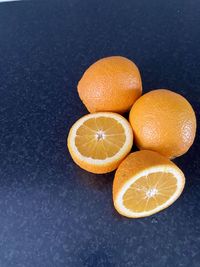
<point>100,135</point>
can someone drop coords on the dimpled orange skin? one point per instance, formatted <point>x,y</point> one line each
<point>163,121</point>
<point>110,84</point>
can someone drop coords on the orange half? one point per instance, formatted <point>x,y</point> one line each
<point>146,183</point>
<point>99,142</point>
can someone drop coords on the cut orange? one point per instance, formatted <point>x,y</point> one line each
<point>146,183</point>
<point>99,142</point>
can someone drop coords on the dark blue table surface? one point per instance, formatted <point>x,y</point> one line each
<point>52,213</point>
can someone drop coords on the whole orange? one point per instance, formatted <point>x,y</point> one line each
<point>110,84</point>
<point>163,121</point>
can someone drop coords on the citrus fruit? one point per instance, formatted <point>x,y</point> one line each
<point>163,121</point>
<point>98,142</point>
<point>110,84</point>
<point>146,183</point>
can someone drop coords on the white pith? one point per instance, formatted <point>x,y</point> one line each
<point>100,135</point>
<point>151,192</point>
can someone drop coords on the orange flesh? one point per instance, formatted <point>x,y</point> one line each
<point>150,191</point>
<point>100,138</point>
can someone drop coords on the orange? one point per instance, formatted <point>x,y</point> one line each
<point>110,84</point>
<point>163,121</point>
<point>98,142</point>
<point>146,183</point>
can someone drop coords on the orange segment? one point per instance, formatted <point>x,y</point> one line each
<point>153,190</point>
<point>100,138</point>
<point>98,142</point>
<point>146,183</point>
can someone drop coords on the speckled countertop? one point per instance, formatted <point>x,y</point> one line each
<point>52,213</point>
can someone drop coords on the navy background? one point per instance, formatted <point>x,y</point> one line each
<point>52,213</point>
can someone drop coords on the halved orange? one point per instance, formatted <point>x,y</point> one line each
<point>146,183</point>
<point>98,142</point>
